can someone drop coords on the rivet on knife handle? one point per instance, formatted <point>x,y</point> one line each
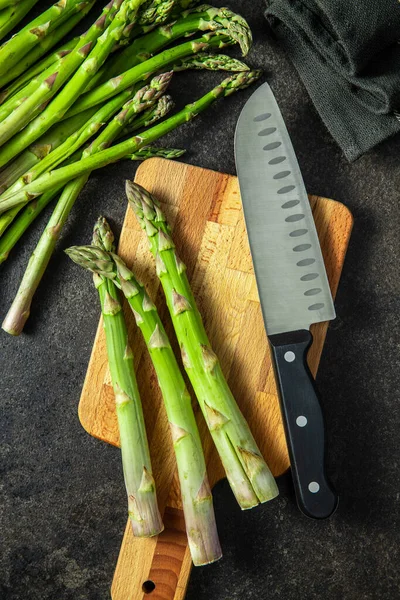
<point>303,422</point>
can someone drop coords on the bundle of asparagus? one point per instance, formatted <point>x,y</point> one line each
<point>246,470</point>
<point>196,494</point>
<point>93,101</point>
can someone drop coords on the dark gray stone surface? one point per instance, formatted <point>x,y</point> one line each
<point>63,505</point>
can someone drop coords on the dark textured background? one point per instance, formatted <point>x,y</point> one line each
<point>63,503</point>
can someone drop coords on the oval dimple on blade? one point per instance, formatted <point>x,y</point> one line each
<point>272,146</point>
<point>262,117</point>
<point>267,131</point>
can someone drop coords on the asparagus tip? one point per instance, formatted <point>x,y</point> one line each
<point>103,236</point>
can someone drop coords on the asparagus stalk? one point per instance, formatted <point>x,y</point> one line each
<point>196,493</point>
<point>59,106</point>
<point>20,308</point>
<point>19,97</point>
<point>247,472</point>
<point>148,117</point>
<point>8,3</point>
<point>140,486</point>
<point>47,89</point>
<point>139,482</point>
<point>51,65</point>
<point>12,15</point>
<point>220,21</point>
<point>26,74</point>
<point>12,52</point>
<point>62,175</point>
<point>34,208</point>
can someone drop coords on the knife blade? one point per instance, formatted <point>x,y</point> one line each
<point>292,285</point>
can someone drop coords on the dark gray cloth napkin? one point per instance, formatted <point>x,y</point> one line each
<point>347,53</point>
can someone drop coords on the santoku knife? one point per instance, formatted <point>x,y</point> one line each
<point>292,285</point>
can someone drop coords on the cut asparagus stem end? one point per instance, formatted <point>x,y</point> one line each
<point>201,530</point>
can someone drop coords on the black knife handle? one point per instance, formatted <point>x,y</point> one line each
<point>303,422</point>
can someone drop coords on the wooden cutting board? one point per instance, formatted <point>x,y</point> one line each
<point>205,212</point>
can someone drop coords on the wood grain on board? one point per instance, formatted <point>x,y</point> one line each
<point>204,210</point>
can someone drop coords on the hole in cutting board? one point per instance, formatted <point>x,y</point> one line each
<point>148,586</point>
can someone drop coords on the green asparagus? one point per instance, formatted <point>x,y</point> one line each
<point>62,175</point>
<point>46,144</point>
<point>146,69</point>
<point>220,21</point>
<point>246,470</point>
<point>33,104</point>
<point>12,52</point>
<point>34,208</point>
<point>12,15</point>
<point>20,309</point>
<point>37,68</point>
<point>196,494</point>
<point>211,62</point>
<point>164,105</point>
<point>74,141</point>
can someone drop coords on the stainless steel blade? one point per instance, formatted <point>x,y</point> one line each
<point>291,278</point>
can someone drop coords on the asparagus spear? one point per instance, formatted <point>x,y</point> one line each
<point>62,175</point>
<point>48,88</point>
<point>13,102</point>
<point>247,472</point>
<point>20,308</point>
<point>62,152</point>
<point>196,494</point>
<point>220,21</point>
<point>45,68</point>
<point>12,15</point>
<point>26,39</point>
<point>139,481</point>
<point>144,99</point>
<point>34,208</point>
<point>211,62</point>
<point>152,152</point>
<point>31,59</point>
<point>26,74</point>
<point>61,132</point>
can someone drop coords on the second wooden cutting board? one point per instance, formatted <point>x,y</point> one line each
<point>204,210</point>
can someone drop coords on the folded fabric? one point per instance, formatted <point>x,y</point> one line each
<point>348,56</point>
